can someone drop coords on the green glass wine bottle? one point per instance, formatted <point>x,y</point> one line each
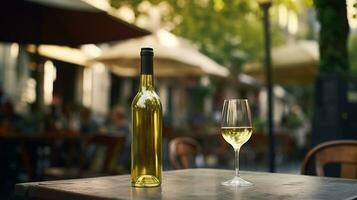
<point>146,145</point>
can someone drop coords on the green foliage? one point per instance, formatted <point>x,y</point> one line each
<point>334,32</point>
<point>229,32</point>
<point>352,47</point>
<point>294,120</point>
<point>259,124</point>
<point>221,31</point>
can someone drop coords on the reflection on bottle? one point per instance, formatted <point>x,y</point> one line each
<point>146,193</point>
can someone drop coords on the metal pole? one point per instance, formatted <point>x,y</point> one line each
<point>265,7</point>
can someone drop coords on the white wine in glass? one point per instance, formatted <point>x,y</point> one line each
<point>236,128</point>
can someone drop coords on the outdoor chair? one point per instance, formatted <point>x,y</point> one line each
<point>343,152</point>
<point>100,153</point>
<point>183,152</point>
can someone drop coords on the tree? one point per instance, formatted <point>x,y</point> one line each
<point>334,32</point>
<point>352,47</point>
<point>229,32</point>
<point>331,85</point>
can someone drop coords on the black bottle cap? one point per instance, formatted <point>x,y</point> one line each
<point>147,55</point>
<point>147,51</point>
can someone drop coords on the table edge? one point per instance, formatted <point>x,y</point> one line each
<point>22,189</point>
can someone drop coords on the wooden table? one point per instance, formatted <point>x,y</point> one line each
<point>195,184</point>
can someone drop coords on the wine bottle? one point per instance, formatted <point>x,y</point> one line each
<point>146,146</point>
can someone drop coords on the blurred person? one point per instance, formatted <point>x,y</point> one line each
<point>10,122</point>
<point>52,116</point>
<point>67,110</point>
<point>283,126</point>
<point>2,95</point>
<point>66,117</point>
<point>87,123</point>
<point>298,121</point>
<point>119,124</point>
<point>74,117</point>
<point>54,119</point>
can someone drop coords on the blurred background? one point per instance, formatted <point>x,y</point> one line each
<point>69,71</point>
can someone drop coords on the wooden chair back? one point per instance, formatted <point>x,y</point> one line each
<point>339,151</point>
<point>183,152</point>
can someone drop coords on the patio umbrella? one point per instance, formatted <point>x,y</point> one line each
<point>62,53</point>
<point>65,22</point>
<point>294,63</point>
<point>62,22</point>
<point>174,56</point>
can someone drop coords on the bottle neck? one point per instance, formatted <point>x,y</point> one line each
<point>146,73</point>
<point>146,82</point>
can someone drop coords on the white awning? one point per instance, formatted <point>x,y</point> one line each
<point>174,56</point>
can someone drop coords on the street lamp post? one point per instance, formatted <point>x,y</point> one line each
<point>265,5</point>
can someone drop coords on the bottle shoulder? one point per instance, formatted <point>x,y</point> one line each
<point>146,99</point>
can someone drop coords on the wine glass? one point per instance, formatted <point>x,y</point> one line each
<point>236,127</point>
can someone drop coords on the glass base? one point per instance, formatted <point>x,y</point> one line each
<point>237,181</point>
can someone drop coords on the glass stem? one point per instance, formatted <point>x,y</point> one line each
<point>236,161</point>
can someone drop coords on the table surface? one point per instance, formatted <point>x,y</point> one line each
<point>195,184</point>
